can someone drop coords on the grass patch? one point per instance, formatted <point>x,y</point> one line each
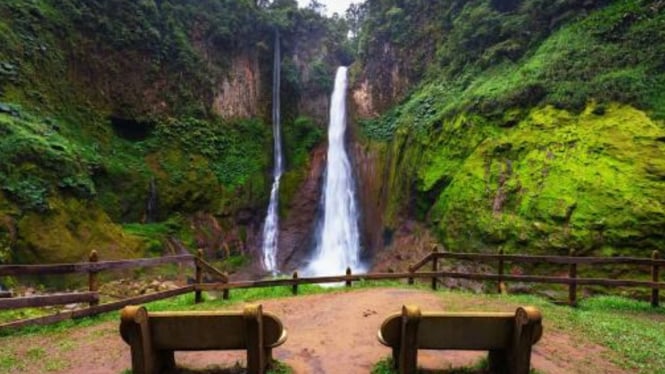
<point>278,367</point>
<point>8,360</point>
<point>631,331</point>
<point>385,366</point>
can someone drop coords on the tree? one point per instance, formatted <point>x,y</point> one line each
<point>355,17</point>
<point>317,6</point>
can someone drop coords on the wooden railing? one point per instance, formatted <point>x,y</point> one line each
<point>572,280</point>
<point>93,267</point>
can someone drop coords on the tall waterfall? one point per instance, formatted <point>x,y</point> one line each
<point>338,244</point>
<point>271,227</point>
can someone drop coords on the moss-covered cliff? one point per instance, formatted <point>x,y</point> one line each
<point>121,112</point>
<point>533,126</point>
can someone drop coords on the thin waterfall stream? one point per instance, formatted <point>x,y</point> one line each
<point>338,239</point>
<point>271,226</point>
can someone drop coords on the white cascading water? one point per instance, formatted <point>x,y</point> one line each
<point>338,244</point>
<point>271,226</point>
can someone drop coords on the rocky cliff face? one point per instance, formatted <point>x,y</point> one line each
<point>384,82</point>
<point>107,108</point>
<point>239,93</point>
<point>514,135</point>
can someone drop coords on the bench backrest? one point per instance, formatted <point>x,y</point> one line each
<point>183,331</point>
<point>208,330</point>
<point>153,337</point>
<point>464,331</point>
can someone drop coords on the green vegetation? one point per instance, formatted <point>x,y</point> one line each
<point>212,300</point>
<point>103,106</point>
<point>537,126</point>
<point>629,329</point>
<point>487,61</point>
<point>277,367</point>
<point>385,366</point>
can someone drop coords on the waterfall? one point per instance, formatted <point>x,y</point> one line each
<point>337,242</point>
<point>271,226</point>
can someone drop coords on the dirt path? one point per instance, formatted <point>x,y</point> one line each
<point>331,333</point>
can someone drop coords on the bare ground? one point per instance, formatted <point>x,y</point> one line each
<point>328,333</point>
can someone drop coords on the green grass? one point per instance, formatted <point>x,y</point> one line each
<point>385,366</point>
<point>278,367</point>
<point>630,330</point>
<point>183,302</point>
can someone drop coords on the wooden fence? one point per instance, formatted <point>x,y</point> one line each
<point>94,266</point>
<point>572,280</point>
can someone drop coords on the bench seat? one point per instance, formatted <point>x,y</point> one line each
<point>507,336</point>
<point>153,337</point>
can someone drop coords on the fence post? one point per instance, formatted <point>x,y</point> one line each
<point>348,273</point>
<point>294,288</point>
<point>93,284</point>
<point>572,287</point>
<point>199,276</point>
<point>226,294</point>
<point>655,275</point>
<point>410,279</point>
<point>500,286</point>
<point>435,265</point>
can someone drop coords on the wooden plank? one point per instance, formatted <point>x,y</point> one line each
<point>499,285</point>
<point>15,270</point>
<point>555,280</point>
<point>423,262</point>
<point>198,296</point>
<point>208,268</point>
<point>117,305</point>
<point>256,358</point>
<point>435,266</point>
<point>408,350</point>
<point>422,275</point>
<point>38,321</point>
<point>48,300</point>
<point>85,267</point>
<point>572,287</point>
<point>655,277</point>
<point>142,262</point>
<point>560,260</point>
<point>311,280</point>
<point>88,312</point>
<point>93,279</point>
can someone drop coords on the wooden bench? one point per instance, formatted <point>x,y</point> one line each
<point>507,336</point>
<point>153,337</point>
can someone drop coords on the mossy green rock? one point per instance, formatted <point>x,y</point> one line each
<point>69,231</point>
<point>556,181</point>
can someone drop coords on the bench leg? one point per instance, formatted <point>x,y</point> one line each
<point>498,361</point>
<point>136,331</point>
<point>395,358</point>
<point>408,350</point>
<point>267,356</point>
<point>527,331</point>
<point>256,360</point>
<point>520,359</point>
<point>166,361</point>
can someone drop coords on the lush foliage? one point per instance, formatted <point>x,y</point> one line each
<point>515,126</point>
<point>111,106</point>
<point>629,329</point>
<point>487,61</point>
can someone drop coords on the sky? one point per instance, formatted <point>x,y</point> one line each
<point>332,6</point>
